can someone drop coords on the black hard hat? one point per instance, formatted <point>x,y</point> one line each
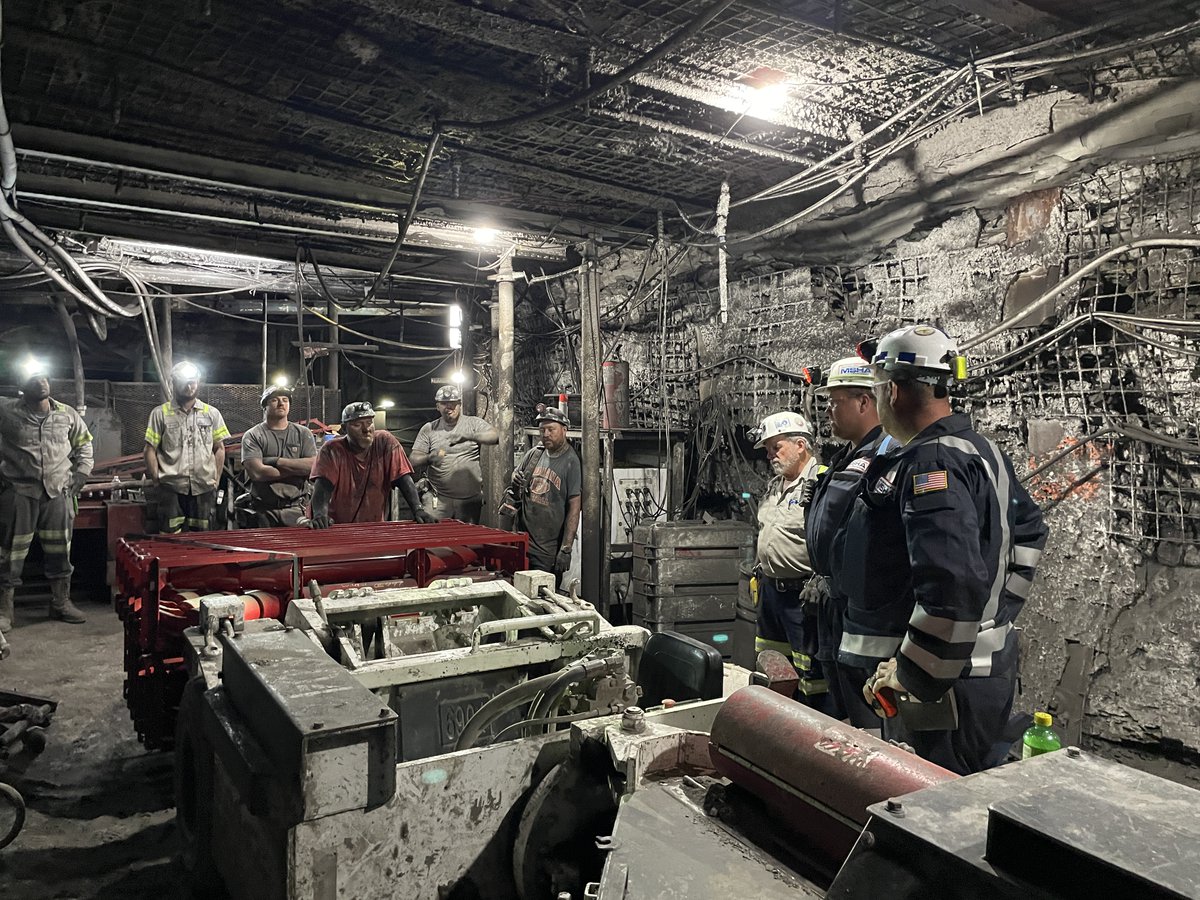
<point>550,414</point>
<point>271,391</point>
<point>360,409</point>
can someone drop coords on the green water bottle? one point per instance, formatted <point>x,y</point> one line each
<point>1039,737</point>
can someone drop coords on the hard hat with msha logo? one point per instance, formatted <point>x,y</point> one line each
<point>853,371</point>
<point>448,393</point>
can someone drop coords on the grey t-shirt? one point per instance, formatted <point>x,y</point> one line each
<point>293,442</point>
<point>555,480</point>
<point>456,475</point>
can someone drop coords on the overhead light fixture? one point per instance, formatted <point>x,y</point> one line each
<point>387,404</point>
<point>484,235</point>
<point>768,92</point>
<point>455,336</point>
<point>458,377</point>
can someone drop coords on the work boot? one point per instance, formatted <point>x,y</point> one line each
<point>6,610</point>
<point>61,606</point>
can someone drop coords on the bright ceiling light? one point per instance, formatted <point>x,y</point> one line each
<point>767,100</point>
<point>387,404</point>
<point>484,235</point>
<point>456,316</point>
<point>458,377</point>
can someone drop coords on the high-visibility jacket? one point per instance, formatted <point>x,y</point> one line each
<point>38,456</point>
<point>936,559</point>
<point>184,440</point>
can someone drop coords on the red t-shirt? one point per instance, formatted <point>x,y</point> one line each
<point>360,484</point>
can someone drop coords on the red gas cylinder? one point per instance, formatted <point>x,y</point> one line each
<point>818,774</point>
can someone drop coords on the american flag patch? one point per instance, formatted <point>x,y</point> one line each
<point>927,482</point>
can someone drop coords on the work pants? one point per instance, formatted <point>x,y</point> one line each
<point>464,510</point>
<point>845,682</point>
<point>185,512</point>
<point>984,705</point>
<point>786,625</point>
<point>52,519</point>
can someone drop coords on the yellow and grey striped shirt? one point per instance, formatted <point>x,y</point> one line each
<point>185,440</point>
<point>39,455</point>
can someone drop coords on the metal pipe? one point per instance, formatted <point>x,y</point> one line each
<point>167,351</point>
<point>591,537</point>
<point>76,359</point>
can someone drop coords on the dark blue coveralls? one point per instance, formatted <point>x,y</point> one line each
<point>936,559</point>
<point>835,493</point>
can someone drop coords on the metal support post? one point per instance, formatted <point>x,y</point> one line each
<point>333,380</point>
<point>589,364</point>
<point>503,388</point>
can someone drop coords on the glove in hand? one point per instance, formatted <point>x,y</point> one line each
<point>562,562</point>
<point>78,483</point>
<point>424,518</point>
<point>320,521</point>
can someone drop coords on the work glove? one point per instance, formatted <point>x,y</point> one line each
<point>424,518</point>
<point>320,521</point>
<point>78,483</point>
<point>562,562</point>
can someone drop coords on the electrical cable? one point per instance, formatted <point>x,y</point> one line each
<point>418,185</point>
<point>1169,240</point>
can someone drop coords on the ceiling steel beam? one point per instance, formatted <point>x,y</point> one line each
<point>369,133</point>
<point>1020,17</point>
<point>669,77</point>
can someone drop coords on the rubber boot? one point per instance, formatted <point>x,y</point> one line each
<point>6,610</point>
<point>61,606</point>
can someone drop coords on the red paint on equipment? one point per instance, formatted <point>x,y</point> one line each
<point>151,573</point>
<point>818,774</point>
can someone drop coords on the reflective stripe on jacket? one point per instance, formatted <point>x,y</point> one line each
<point>38,456</point>
<point>936,558</point>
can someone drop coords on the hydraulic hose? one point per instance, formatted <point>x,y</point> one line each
<point>527,690</point>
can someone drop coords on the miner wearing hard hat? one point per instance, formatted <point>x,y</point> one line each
<point>45,459</point>
<point>449,448</point>
<point>277,455</point>
<point>936,558</point>
<point>852,416</point>
<point>355,472</point>
<point>782,567</point>
<point>185,454</point>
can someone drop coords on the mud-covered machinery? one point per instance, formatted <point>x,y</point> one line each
<point>309,768</point>
<point>160,581</point>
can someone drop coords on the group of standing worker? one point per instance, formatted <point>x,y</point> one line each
<point>46,456</point>
<point>893,576</point>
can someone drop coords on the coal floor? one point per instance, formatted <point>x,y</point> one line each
<point>100,820</point>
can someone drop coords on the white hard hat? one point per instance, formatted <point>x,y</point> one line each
<point>782,423</point>
<point>923,352</point>
<point>853,371</point>
<point>185,371</point>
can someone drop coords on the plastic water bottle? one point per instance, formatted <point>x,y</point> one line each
<point>1039,737</point>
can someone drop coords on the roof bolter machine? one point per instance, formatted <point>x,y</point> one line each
<point>502,741</point>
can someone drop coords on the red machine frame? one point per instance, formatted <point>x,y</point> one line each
<point>275,564</point>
